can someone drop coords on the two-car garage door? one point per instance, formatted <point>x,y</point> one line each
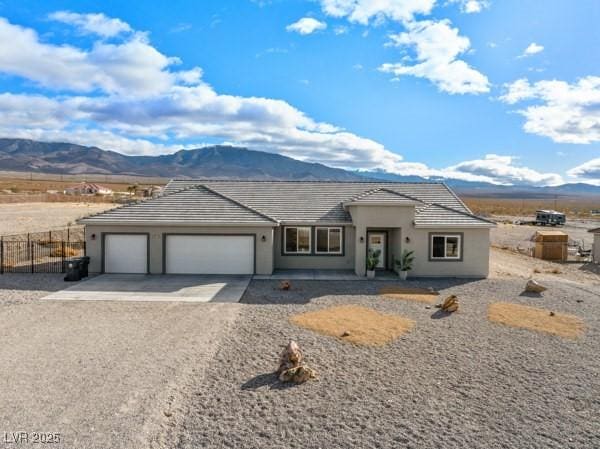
<point>209,254</point>
<point>184,254</point>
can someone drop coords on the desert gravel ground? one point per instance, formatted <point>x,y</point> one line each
<point>507,264</point>
<point>511,235</point>
<point>453,382</point>
<point>102,374</point>
<point>20,218</point>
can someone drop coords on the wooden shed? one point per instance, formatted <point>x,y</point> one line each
<point>596,247</point>
<point>551,245</point>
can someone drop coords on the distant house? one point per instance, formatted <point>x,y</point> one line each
<point>257,227</point>
<point>87,188</point>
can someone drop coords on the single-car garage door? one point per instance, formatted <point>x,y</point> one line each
<point>209,254</point>
<point>125,253</point>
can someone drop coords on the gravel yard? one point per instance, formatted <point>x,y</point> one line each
<point>20,218</point>
<point>453,382</point>
<point>103,374</point>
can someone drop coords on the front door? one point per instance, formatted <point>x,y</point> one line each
<point>377,243</point>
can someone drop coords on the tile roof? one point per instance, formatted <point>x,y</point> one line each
<point>221,202</point>
<point>383,196</point>
<point>191,205</point>
<point>438,216</point>
<point>317,201</point>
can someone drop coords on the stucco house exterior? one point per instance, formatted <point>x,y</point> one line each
<point>257,227</point>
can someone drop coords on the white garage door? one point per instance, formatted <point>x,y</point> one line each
<point>125,253</point>
<point>209,254</point>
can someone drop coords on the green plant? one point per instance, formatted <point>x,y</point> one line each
<point>373,259</point>
<point>405,263</point>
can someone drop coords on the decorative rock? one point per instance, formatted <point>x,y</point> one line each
<point>292,367</point>
<point>285,285</point>
<point>534,286</point>
<point>450,304</point>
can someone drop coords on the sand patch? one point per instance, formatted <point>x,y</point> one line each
<point>409,294</point>
<point>356,324</point>
<point>534,319</point>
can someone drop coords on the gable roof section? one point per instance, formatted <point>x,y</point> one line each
<point>383,196</point>
<point>438,216</point>
<point>193,205</point>
<point>295,202</point>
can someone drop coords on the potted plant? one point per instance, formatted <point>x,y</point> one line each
<point>372,262</point>
<point>405,263</point>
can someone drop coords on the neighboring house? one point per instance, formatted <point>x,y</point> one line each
<point>246,227</point>
<point>87,188</point>
<point>596,246</point>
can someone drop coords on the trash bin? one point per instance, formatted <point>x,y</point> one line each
<point>73,270</point>
<point>85,261</point>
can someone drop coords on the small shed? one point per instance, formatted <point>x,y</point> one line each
<point>551,245</point>
<point>596,246</point>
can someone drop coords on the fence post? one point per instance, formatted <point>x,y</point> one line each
<point>32,263</point>
<point>50,236</point>
<point>68,234</point>
<point>1,255</point>
<point>62,259</point>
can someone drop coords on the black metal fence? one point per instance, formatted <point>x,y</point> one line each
<point>41,256</point>
<point>70,234</point>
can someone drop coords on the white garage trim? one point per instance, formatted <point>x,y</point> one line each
<point>125,253</point>
<point>209,253</point>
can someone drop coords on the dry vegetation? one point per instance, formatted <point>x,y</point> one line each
<point>573,207</point>
<point>39,186</point>
<point>409,294</point>
<point>534,319</point>
<point>356,324</point>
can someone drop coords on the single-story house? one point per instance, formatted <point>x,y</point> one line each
<point>87,188</point>
<point>256,227</point>
<point>596,246</point>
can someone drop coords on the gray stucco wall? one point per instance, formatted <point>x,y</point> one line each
<point>319,262</point>
<point>596,249</point>
<point>476,242</point>
<point>263,250</point>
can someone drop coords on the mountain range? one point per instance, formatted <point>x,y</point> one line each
<point>221,161</point>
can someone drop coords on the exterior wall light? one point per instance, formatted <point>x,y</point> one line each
<point>263,238</point>
<point>93,236</point>
<point>362,239</point>
<point>407,239</point>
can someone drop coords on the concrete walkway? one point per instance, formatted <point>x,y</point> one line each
<point>170,288</point>
<point>325,275</point>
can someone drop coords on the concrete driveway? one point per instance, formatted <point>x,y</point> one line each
<point>139,287</point>
<point>103,374</point>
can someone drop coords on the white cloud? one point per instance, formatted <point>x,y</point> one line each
<point>136,99</point>
<point>363,11</point>
<point>340,29</point>
<point>568,113</point>
<point>492,168</point>
<point>306,25</point>
<point>532,49</point>
<point>130,67</point>
<point>437,46</point>
<point>587,172</point>
<point>472,6</point>
<point>502,170</point>
<point>92,23</point>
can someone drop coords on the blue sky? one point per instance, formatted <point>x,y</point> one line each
<point>501,91</point>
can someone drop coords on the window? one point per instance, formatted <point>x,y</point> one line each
<point>446,247</point>
<point>329,240</point>
<point>296,240</point>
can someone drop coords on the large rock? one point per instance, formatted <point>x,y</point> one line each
<point>292,367</point>
<point>534,286</point>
